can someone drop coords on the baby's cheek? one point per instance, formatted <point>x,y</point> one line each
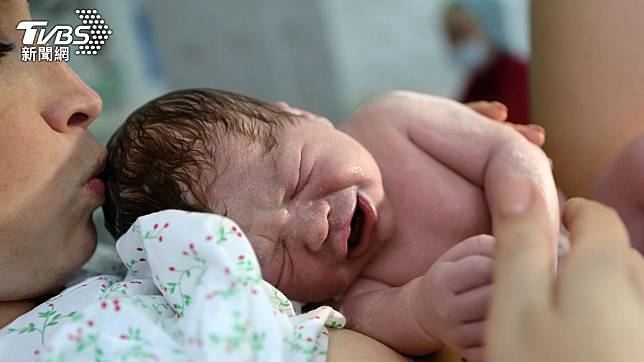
<point>271,263</point>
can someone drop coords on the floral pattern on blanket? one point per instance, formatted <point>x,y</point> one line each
<point>193,292</point>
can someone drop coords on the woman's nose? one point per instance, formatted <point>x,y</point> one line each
<point>69,101</point>
<point>309,225</point>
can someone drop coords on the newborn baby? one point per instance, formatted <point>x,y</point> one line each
<point>386,218</point>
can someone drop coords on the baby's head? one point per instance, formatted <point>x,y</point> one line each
<point>304,193</point>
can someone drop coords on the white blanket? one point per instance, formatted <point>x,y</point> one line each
<point>193,292</point>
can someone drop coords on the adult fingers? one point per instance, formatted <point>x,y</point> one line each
<point>636,268</point>
<point>593,225</point>
<point>599,260</point>
<point>532,132</point>
<point>523,273</point>
<point>494,110</point>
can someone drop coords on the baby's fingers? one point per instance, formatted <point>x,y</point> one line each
<point>468,341</point>
<point>476,245</point>
<point>472,306</point>
<point>468,273</point>
<point>474,354</point>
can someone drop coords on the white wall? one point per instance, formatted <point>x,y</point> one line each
<point>328,56</point>
<point>380,45</point>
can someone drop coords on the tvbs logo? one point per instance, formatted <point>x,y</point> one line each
<point>40,44</point>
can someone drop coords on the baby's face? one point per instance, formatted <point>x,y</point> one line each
<point>309,207</point>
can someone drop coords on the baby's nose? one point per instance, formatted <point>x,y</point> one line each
<point>309,225</point>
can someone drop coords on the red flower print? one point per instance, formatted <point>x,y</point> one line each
<point>90,323</point>
<point>161,238</point>
<point>241,257</point>
<point>191,246</point>
<point>155,226</point>
<point>184,252</point>
<point>123,337</point>
<point>239,234</point>
<point>103,305</point>
<point>226,270</point>
<point>209,237</point>
<point>234,228</point>
<point>309,339</point>
<point>165,226</point>
<point>171,268</point>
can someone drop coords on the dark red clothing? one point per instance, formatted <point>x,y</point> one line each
<point>505,80</point>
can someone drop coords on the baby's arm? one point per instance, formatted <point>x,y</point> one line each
<point>446,305</point>
<point>482,151</point>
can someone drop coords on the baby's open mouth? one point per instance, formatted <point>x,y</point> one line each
<point>362,226</point>
<point>356,228</point>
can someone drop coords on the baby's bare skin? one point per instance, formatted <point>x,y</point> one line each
<point>437,255</point>
<point>424,277</point>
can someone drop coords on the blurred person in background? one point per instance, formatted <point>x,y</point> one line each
<point>477,37</point>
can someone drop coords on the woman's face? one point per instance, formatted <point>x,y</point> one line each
<point>47,162</point>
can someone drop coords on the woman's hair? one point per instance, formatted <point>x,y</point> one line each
<point>164,155</point>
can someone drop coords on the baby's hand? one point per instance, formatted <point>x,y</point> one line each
<point>498,111</point>
<point>455,296</point>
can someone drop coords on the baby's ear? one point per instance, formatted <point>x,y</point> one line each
<point>287,108</point>
<point>301,113</point>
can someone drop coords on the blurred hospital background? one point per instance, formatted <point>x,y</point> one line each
<point>326,56</point>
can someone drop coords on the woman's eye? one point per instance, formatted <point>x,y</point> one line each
<point>5,49</point>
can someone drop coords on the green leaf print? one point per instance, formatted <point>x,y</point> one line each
<point>50,317</point>
<point>241,335</point>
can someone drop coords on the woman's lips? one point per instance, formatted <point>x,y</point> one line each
<point>97,186</point>
<point>95,183</point>
<point>370,217</point>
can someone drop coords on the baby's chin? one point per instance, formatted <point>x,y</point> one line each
<point>317,291</point>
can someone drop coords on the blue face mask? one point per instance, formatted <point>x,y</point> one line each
<point>471,55</point>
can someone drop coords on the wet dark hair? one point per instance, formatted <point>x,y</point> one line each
<point>167,153</point>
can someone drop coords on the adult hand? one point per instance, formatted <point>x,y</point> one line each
<point>594,310</point>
